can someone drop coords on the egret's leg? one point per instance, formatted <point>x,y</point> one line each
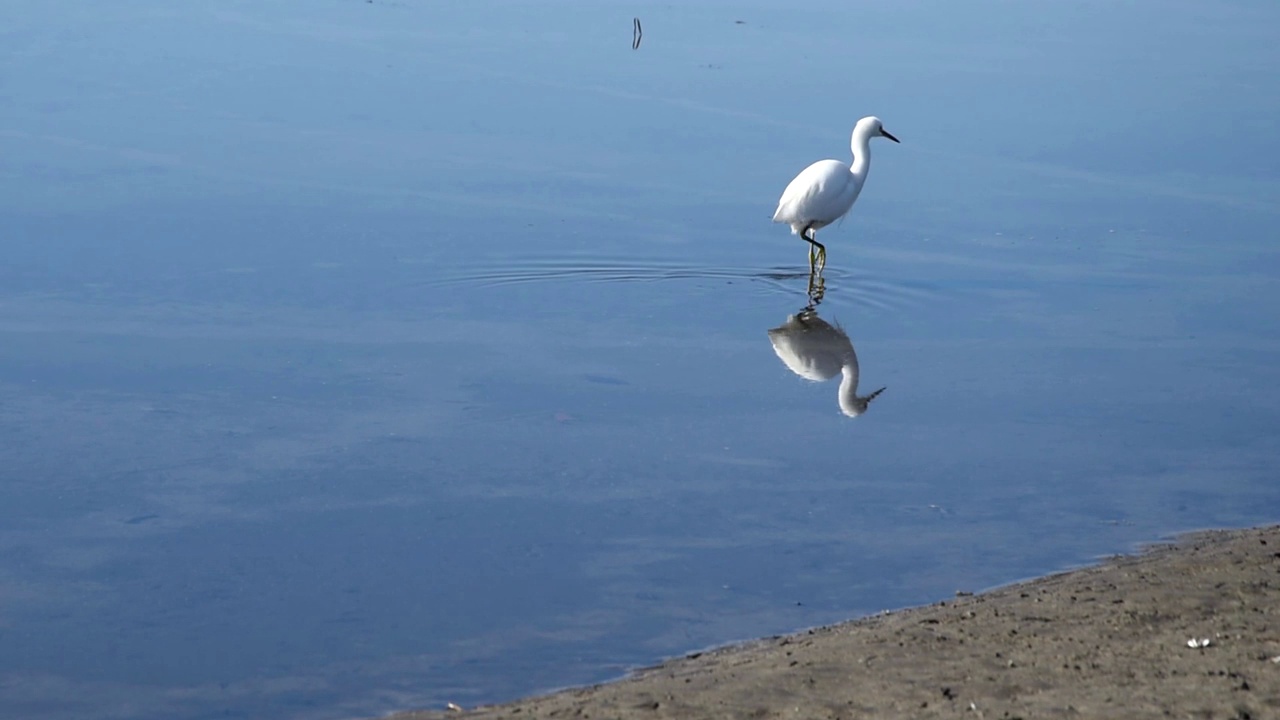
<point>810,235</point>
<point>821,262</point>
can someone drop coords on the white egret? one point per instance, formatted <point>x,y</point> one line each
<point>816,350</point>
<point>823,192</point>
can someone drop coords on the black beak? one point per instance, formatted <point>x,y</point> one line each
<point>886,134</point>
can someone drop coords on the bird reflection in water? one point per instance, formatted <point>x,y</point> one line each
<point>816,350</point>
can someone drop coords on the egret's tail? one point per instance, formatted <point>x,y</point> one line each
<point>795,227</point>
<point>777,215</point>
<point>784,217</point>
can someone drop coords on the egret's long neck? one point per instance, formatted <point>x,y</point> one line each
<point>848,395</point>
<point>861,146</point>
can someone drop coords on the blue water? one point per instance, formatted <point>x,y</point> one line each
<point>357,356</point>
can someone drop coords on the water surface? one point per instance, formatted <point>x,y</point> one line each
<point>361,356</point>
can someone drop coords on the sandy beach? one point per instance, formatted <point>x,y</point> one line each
<point>1183,630</point>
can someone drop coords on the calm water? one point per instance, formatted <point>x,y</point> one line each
<point>357,356</point>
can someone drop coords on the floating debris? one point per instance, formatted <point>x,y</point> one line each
<point>139,519</point>
<point>636,33</point>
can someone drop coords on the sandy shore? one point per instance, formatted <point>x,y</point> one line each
<point>1109,641</point>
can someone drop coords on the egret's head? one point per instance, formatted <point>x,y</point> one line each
<point>872,126</point>
<point>853,405</point>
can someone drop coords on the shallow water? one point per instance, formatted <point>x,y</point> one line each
<point>382,355</point>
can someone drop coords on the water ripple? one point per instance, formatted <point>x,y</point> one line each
<point>842,287</point>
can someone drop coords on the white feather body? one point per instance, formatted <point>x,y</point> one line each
<point>820,195</point>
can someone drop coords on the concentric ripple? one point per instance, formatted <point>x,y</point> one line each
<point>841,287</point>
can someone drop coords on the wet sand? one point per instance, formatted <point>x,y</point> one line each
<point>1109,641</point>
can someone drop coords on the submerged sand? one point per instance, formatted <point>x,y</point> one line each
<point>1110,641</point>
